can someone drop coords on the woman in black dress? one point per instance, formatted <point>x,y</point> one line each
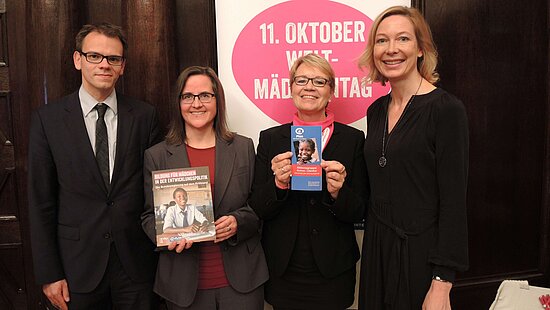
<point>417,157</point>
<point>308,236</point>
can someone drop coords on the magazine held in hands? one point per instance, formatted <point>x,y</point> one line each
<point>306,158</point>
<point>183,205</point>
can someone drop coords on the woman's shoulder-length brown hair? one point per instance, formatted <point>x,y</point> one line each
<point>176,129</point>
<point>426,64</point>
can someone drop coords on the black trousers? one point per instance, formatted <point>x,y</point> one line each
<point>116,291</point>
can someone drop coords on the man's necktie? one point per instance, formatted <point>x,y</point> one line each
<point>102,143</point>
<point>184,222</point>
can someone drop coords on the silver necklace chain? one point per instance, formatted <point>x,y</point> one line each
<point>382,161</point>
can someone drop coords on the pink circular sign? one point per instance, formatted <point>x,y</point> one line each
<point>268,45</point>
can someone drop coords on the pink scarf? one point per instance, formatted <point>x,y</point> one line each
<point>327,125</point>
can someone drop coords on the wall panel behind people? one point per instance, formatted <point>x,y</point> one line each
<point>51,28</point>
<point>150,29</point>
<point>196,33</point>
<point>98,11</point>
<point>12,251</point>
<point>37,39</point>
<point>495,59</point>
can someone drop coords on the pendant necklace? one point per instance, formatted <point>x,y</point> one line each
<point>382,161</point>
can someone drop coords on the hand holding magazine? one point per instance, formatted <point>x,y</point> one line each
<point>183,205</point>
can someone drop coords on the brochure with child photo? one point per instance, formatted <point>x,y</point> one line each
<point>306,158</point>
<point>183,205</point>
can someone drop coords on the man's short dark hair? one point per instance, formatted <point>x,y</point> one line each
<point>107,29</point>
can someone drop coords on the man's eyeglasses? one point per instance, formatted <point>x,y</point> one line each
<point>96,58</point>
<point>189,98</point>
<point>316,81</point>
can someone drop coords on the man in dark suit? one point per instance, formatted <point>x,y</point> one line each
<point>86,185</point>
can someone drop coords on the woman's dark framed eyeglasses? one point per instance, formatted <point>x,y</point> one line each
<point>189,98</point>
<point>96,58</point>
<point>316,81</point>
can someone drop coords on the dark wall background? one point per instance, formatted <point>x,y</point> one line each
<point>495,58</point>
<point>494,55</point>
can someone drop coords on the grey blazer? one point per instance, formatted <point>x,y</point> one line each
<point>243,255</point>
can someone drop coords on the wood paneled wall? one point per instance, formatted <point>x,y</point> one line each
<point>494,55</point>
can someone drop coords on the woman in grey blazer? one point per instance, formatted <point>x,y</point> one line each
<point>228,273</point>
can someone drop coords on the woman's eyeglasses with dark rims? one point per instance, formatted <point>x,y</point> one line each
<point>96,58</point>
<point>316,81</point>
<point>189,98</point>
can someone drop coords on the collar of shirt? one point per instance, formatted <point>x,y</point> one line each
<point>87,102</point>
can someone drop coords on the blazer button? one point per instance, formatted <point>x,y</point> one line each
<point>312,201</point>
<point>107,236</point>
<point>314,232</point>
<point>110,203</point>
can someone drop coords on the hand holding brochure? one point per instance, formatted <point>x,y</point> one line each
<point>306,158</point>
<point>183,205</point>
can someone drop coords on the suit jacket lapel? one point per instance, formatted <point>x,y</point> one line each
<point>225,159</point>
<point>284,136</point>
<point>77,133</point>
<point>176,157</point>
<point>331,149</point>
<point>125,123</point>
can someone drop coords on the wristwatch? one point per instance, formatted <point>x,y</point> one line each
<point>438,278</point>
